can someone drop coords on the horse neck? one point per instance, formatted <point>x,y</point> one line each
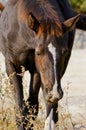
<point>58,9</point>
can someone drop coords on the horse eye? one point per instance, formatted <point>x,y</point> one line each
<point>39,51</point>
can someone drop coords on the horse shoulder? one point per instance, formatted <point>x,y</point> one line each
<point>8,21</point>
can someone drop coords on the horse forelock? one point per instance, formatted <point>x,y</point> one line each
<point>46,15</point>
<point>50,27</point>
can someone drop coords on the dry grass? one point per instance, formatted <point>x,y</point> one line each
<point>7,114</point>
<point>7,107</point>
<point>7,111</point>
<point>65,121</point>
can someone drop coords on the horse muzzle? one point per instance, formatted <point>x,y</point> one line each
<point>54,96</point>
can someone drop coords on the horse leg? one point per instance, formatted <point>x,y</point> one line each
<point>35,84</point>
<point>16,81</point>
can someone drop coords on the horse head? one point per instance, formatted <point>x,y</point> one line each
<point>42,19</point>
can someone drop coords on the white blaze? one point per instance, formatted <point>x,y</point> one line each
<point>52,50</point>
<point>48,122</point>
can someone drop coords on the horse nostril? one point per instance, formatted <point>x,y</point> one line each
<point>46,90</point>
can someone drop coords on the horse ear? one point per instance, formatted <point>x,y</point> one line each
<point>70,24</point>
<point>33,23</point>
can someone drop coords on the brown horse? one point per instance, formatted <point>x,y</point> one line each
<point>28,31</point>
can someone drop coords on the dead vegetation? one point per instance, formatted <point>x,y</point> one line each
<point>7,110</point>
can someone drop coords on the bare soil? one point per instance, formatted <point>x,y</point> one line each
<point>74,86</point>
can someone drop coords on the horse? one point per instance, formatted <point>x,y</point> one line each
<point>28,30</point>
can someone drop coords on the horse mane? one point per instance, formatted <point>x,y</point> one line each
<point>46,15</point>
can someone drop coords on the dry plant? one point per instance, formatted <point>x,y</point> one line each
<point>8,112</point>
<point>65,121</point>
<point>7,116</point>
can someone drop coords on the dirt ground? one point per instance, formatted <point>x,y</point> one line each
<point>74,86</point>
